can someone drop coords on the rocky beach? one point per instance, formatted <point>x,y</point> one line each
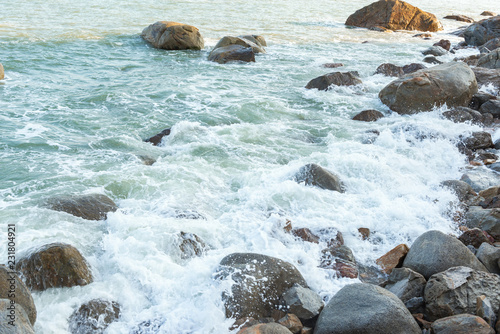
<point>226,168</point>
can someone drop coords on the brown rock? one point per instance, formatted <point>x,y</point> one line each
<point>423,35</point>
<point>390,70</point>
<point>346,269</point>
<point>270,328</point>
<point>191,245</point>
<point>461,18</point>
<point>173,36</point>
<point>470,60</point>
<point>292,322</point>
<point>2,73</point>
<point>233,52</point>
<point>94,317</point>
<point>488,13</point>
<point>10,284</point>
<point>475,237</point>
<point>394,15</point>
<point>315,175</point>
<point>336,78</point>
<point>54,265</point>
<point>333,65</point>
<point>368,116</point>
<point>156,139</point>
<point>461,324</point>
<point>365,232</point>
<point>444,43</point>
<point>91,207</point>
<point>305,234</point>
<point>246,43</point>
<point>394,258</point>
<point>424,324</point>
<point>256,39</point>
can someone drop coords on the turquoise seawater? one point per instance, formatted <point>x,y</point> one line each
<point>82,91</point>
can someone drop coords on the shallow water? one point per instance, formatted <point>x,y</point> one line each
<point>82,91</point>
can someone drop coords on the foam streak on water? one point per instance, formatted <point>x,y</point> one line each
<point>82,91</point>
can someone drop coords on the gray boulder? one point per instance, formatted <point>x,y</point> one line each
<point>10,284</point>
<point>481,32</point>
<point>479,99</point>
<point>492,107</point>
<point>259,281</point>
<point>489,255</point>
<point>14,322</point>
<point>462,189</point>
<point>91,207</point>
<point>461,324</point>
<point>94,317</point>
<point>455,291</point>
<point>481,179</point>
<point>489,46</point>
<point>485,219</point>
<point>434,252</point>
<point>336,78</point>
<point>451,83</point>
<point>303,302</point>
<point>316,175</point>
<point>407,285</point>
<point>233,52</point>
<point>365,309</point>
<point>490,60</point>
<point>173,36</point>
<point>435,51</point>
<point>485,76</point>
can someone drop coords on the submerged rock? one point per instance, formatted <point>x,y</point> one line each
<point>394,15</point>
<point>316,175</point>
<point>54,265</point>
<point>336,78</point>
<point>191,245</point>
<point>365,309</point>
<point>94,317</point>
<point>173,36</point>
<point>10,284</point>
<point>91,207</point>
<point>451,83</point>
<point>156,139</point>
<point>481,32</point>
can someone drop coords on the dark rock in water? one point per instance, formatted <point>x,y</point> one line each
<point>489,46</point>
<point>316,175</point>
<point>252,43</point>
<point>303,302</point>
<point>479,99</point>
<point>94,317</point>
<point>461,324</point>
<point>368,116</point>
<point>463,114</point>
<point>259,283</point>
<point>481,32</point>
<point>488,13</point>
<point>413,67</point>
<point>434,252</point>
<point>423,35</point>
<point>11,283</point>
<point>257,39</point>
<point>390,70</point>
<point>156,139</point>
<point>444,43</point>
<point>191,245</point>
<point>336,78</point>
<point>91,207</point>
<point>394,15</point>
<point>474,237</point>
<point>364,232</point>
<point>269,328</point>
<point>407,285</point>
<point>331,236</point>
<point>455,291</point>
<point>147,160</point>
<point>461,18</point>
<point>232,53</point>
<point>333,65</point>
<point>21,321</point>
<point>432,60</point>
<point>451,83</point>
<point>485,76</point>
<point>330,254</point>
<point>173,36</point>
<point>365,309</point>
<point>305,234</point>
<point>478,140</point>
<point>435,51</point>
<point>485,219</point>
<point>490,197</point>
<point>489,255</point>
<point>490,60</point>
<point>54,265</point>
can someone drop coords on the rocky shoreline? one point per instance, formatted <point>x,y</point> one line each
<point>441,284</point>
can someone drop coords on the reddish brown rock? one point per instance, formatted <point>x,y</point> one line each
<point>394,258</point>
<point>394,15</point>
<point>444,43</point>
<point>475,237</point>
<point>488,13</point>
<point>306,235</point>
<point>365,232</point>
<point>346,269</point>
<point>292,322</point>
<point>461,18</point>
<point>270,328</point>
<point>173,36</point>
<point>368,116</point>
<point>461,324</point>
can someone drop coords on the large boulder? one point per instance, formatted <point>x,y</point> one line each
<point>54,265</point>
<point>394,15</point>
<point>490,60</point>
<point>11,284</point>
<point>434,252</point>
<point>365,309</point>
<point>455,291</point>
<point>336,79</point>
<point>233,52</point>
<point>93,317</point>
<point>259,281</point>
<point>451,83</point>
<point>461,324</point>
<point>481,32</point>
<point>91,207</point>
<point>14,319</point>
<point>315,175</point>
<point>173,36</point>
<point>485,76</point>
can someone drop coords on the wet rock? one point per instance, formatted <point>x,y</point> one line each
<point>333,65</point>
<point>461,18</point>
<point>462,189</point>
<point>491,198</point>
<point>368,116</point>
<point>423,35</point>
<point>444,43</point>
<point>364,232</point>
<point>489,255</point>
<point>336,78</point>
<point>10,284</point>
<point>478,140</point>
<point>270,328</point>
<point>363,309</point>
<point>148,327</point>
<point>305,234</point>
<point>464,114</point>
<point>19,317</point>
<point>317,176</point>
<point>371,274</point>
<point>332,237</point>
<point>191,245</point>
<point>485,219</point>
<point>243,323</point>
<point>189,214</point>
<point>481,32</point>
<point>455,291</point>
<point>488,13</point>
<point>341,252</point>
<point>481,179</point>
<point>246,43</point>
<point>485,310</point>
<point>256,39</point>
<point>407,285</point>
<point>259,282</point>
<point>292,322</point>
<point>390,70</point>
<point>173,36</point>
<point>470,60</point>
<point>451,83</point>
<point>346,269</point>
<point>233,52</point>
<point>156,139</point>
<point>461,324</point>
<point>2,72</point>
<point>393,259</point>
<point>489,46</point>
<point>394,15</point>
<point>434,252</point>
<point>435,51</point>
<point>490,60</point>
<point>485,76</point>
<point>94,317</point>
<point>413,67</point>
<point>474,237</point>
<point>432,60</point>
<point>54,265</point>
<point>91,207</point>
<point>479,99</point>
<point>492,107</point>
<point>303,302</point>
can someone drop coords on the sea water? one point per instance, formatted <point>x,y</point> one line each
<point>82,91</point>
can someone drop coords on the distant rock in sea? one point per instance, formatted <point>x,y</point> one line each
<point>173,36</point>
